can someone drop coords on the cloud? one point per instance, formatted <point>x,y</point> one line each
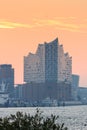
<point>61,23</point>
<point>57,23</point>
<point>12,25</point>
<point>69,24</point>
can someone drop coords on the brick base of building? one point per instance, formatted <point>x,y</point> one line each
<point>40,91</point>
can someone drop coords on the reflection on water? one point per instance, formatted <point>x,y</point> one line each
<point>74,117</point>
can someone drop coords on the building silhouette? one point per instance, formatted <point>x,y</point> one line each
<point>75,86</point>
<point>48,65</point>
<point>48,73</point>
<point>7,78</point>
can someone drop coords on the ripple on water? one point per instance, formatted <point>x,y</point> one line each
<point>74,117</point>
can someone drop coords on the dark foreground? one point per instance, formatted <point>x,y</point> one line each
<point>20,121</point>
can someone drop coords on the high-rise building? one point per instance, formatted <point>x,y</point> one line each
<point>7,78</point>
<point>75,85</point>
<point>48,64</point>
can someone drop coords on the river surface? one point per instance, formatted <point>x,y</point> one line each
<point>74,117</point>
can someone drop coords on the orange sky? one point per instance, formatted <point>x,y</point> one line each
<point>25,23</point>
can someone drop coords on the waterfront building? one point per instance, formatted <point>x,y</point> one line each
<point>48,65</point>
<point>82,94</point>
<point>75,85</point>
<point>48,73</point>
<point>18,90</point>
<point>37,92</point>
<point>7,78</point>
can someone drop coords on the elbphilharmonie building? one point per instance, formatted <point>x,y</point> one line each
<point>50,64</point>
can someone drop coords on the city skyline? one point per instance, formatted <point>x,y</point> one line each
<point>25,24</point>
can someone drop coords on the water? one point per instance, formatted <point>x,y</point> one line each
<point>74,117</point>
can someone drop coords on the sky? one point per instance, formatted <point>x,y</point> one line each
<point>26,23</point>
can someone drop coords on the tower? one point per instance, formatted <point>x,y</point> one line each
<point>7,77</point>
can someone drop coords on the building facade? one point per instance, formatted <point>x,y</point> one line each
<point>49,64</point>
<point>7,78</point>
<point>37,92</point>
<point>75,86</point>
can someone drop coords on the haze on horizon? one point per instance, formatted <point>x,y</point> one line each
<point>25,23</point>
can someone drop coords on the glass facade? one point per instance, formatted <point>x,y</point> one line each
<point>51,59</point>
